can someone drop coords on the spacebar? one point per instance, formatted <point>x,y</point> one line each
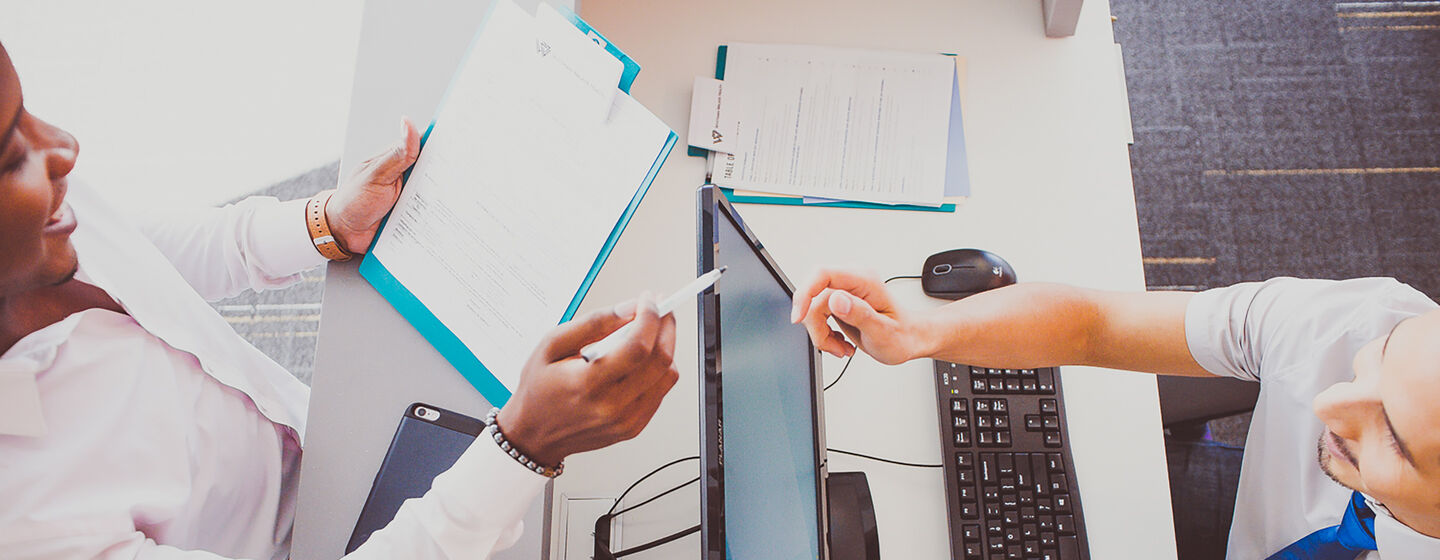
<point>1070,548</point>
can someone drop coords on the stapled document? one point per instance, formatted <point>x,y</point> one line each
<point>713,125</point>
<point>569,58</point>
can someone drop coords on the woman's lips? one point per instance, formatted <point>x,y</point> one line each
<point>62,222</point>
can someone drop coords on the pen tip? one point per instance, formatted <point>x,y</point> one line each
<point>722,268</point>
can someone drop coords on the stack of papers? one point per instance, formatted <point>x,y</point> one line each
<point>793,124</point>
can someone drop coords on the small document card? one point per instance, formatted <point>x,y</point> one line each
<point>713,125</point>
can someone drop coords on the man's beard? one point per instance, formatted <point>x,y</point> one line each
<point>1321,454</point>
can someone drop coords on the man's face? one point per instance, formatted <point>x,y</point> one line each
<point>1383,428</point>
<point>35,223</point>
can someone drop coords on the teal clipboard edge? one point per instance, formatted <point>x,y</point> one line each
<point>426,323</point>
<point>619,228</point>
<point>798,201</point>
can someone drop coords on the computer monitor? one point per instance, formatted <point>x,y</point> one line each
<point>762,426</point>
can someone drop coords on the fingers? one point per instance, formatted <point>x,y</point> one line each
<point>643,337</point>
<point>816,322</point>
<point>566,340</point>
<point>864,286</point>
<point>391,165</point>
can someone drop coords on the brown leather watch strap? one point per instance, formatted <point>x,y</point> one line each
<point>320,228</point>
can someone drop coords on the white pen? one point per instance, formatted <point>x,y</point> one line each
<point>595,351</point>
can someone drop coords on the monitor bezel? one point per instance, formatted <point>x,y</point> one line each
<point>712,207</point>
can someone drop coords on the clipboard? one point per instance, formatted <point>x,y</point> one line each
<point>957,172</point>
<point>424,320</point>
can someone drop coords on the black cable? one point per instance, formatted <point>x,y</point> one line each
<point>657,542</point>
<point>842,371</point>
<point>901,463</point>
<point>656,497</point>
<point>648,475</point>
<point>857,350</point>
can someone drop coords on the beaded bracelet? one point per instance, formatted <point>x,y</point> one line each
<point>493,428</point>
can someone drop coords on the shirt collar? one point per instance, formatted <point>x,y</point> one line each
<point>1398,541</point>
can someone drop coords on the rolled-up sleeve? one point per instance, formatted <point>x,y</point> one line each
<point>257,244</point>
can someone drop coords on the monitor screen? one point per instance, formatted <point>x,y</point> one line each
<point>765,468</point>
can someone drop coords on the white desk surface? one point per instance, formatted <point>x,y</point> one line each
<point>1046,130</point>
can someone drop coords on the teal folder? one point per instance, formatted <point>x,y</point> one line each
<point>439,335</point>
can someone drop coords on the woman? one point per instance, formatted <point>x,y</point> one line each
<point>134,423</point>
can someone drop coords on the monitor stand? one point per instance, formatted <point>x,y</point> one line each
<point>853,535</point>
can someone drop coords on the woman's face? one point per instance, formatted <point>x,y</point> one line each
<point>35,222</point>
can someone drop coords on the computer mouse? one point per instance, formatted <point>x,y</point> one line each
<point>959,273</point>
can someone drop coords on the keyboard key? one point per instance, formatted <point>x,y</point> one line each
<point>964,459</point>
<point>1002,438</point>
<point>1045,381</point>
<point>1028,386</point>
<point>993,526</point>
<point>1014,553</point>
<point>977,386</point>
<point>982,405</point>
<point>993,371</point>
<point>1058,486</point>
<point>1062,504</point>
<point>1065,524</point>
<point>973,550</point>
<point>982,421</point>
<point>1029,531</point>
<point>962,439</point>
<point>1012,385</point>
<point>992,511</point>
<point>1031,548</point>
<point>1027,514</point>
<point>1046,523</point>
<point>997,385</point>
<point>1041,476</point>
<point>969,510</point>
<point>970,533</point>
<point>1047,540</point>
<point>992,495</point>
<point>1001,421</point>
<point>1050,554</point>
<point>999,405</point>
<point>984,437</point>
<point>1032,422</point>
<point>1050,422</point>
<point>1042,505</point>
<point>977,370</point>
<point>1027,500</point>
<point>1052,439</point>
<point>1054,463</point>
<point>1069,547</point>
<point>959,405</point>
<point>997,548</point>
<point>968,494</point>
<point>988,472</point>
<point>1027,372</point>
<point>1012,536</point>
<point>965,476</point>
<point>1010,501</point>
<point>961,422</point>
<point>1006,463</point>
<point>1012,372</point>
<point>1049,406</point>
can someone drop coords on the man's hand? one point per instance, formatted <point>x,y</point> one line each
<point>361,202</point>
<point>566,405</point>
<point>863,309</point>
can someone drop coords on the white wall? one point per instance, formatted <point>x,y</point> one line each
<point>187,101</point>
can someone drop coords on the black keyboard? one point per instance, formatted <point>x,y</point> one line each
<point>1009,488</point>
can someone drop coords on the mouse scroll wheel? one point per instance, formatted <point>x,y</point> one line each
<point>940,269</point>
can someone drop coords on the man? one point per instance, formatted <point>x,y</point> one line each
<point>135,424</point>
<point>1348,420</point>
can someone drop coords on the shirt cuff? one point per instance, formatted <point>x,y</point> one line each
<point>283,239</point>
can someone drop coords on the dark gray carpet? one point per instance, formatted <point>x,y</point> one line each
<point>1284,137</point>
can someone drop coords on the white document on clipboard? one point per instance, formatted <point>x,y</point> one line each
<point>525,179</point>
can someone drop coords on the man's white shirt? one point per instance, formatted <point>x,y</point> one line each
<point>162,434</point>
<point>1297,338</point>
